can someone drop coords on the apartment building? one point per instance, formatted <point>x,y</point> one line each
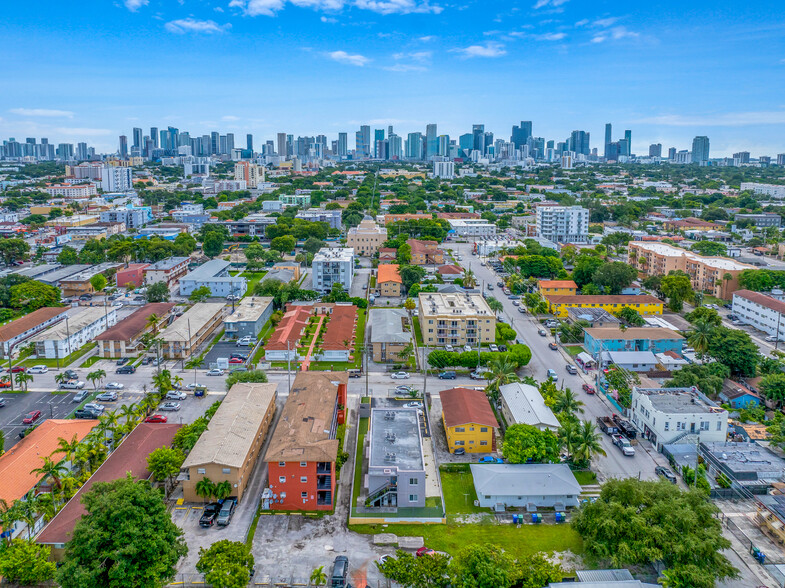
<point>763,312</point>
<point>131,275</point>
<point>653,339</point>
<point>303,448</point>
<point>644,304</point>
<point>124,338</point>
<point>557,288</point>
<point>388,336</point>
<point>319,215</point>
<point>76,330</point>
<point>133,218</point>
<point>456,319</point>
<point>469,422</point>
<point>388,280</point>
<point>167,271</point>
<point>71,190</point>
<point>299,200</point>
<point>13,333</point>
<point>776,191</point>
<point>251,173</point>
<point>333,266</point>
<point>230,447</point>
<point>764,219</point>
<point>215,275</point>
<point>563,224</point>
<point>425,252</point>
<point>187,334</point>
<point>249,317</point>
<point>366,238</point>
<point>718,276</point>
<point>78,284</point>
<point>472,227</point>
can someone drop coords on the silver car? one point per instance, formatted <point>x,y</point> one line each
<point>171,406</point>
<point>176,395</point>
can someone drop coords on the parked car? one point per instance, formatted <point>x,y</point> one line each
<point>476,376</point>
<point>244,341</point>
<point>5,383</point>
<point>38,369</point>
<point>522,310</point>
<point>399,376</point>
<point>80,396</point>
<point>84,414</point>
<point>542,333</point>
<point>2,402</point>
<point>571,369</point>
<point>447,376</point>
<point>449,348</point>
<point>490,286</point>
<point>215,372</point>
<point>413,405</point>
<point>516,303</point>
<point>588,389</point>
<point>459,451</point>
<point>624,444</point>
<point>156,418</point>
<point>502,348</point>
<point>552,375</point>
<point>107,397</point>
<point>236,361</point>
<point>405,389</point>
<point>145,360</point>
<point>18,369</point>
<point>232,297</point>
<point>114,386</point>
<point>70,374</point>
<point>209,514</point>
<point>423,551</point>
<point>553,346</point>
<point>195,386</point>
<point>126,369</point>
<point>665,473</point>
<point>340,572</point>
<point>170,406</point>
<point>86,297</point>
<point>493,347</point>
<point>354,373</point>
<point>94,407</point>
<point>31,417</point>
<point>226,512</point>
<point>72,385</point>
<point>467,347</point>
<point>490,459</point>
<point>176,395</point>
<point>122,361</point>
<point>551,324</point>
<point>242,356</point>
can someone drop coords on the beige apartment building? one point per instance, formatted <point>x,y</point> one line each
<point>229,448</point>
<point>456,319</point>
<point>366,238</point>
<point>718,276</point>
<point>187,334</point>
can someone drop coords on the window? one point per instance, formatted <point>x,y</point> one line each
<point>459,442</point>
<point>719,425</point>
<point>303,495</point>
<point>303,464</point>
<point>483,429</point>
<point>680,426</point>
<point>460,429</point>
<point>226,471</point>
<point>413,498</point>
<point>413,481</point>
<point>282,479</point>
<point>667,426</point>
<point>282,464</point>
<point>705,426</point>
<point>201,471</point>
<point>483,443</point>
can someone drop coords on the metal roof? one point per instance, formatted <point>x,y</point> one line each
<point>527,405</point>
<point>524,479</point>
<point>387,326</point>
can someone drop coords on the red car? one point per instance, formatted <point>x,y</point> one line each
<point>31,417</point>
<point>236,360</point>
<point>18,368</point>
<point>553,346</point>
<point>425,551</point>
<point>588,389</point>
<point>5,383</point>
<point>156,418</point>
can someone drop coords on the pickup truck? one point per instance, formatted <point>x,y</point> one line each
<point>625,427</point>
<point>607,425</point>
<point>623,443</point>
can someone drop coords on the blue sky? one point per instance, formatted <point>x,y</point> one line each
<point>668,70</point>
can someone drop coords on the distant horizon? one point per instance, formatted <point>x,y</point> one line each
<point>667,73</point>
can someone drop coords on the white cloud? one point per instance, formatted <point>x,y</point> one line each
<point>551,3</point>
<point>191,25</point>
<point>582,23</point>
<point>134,5</point>
<point>727,119</point>
<point>416,56</point>
<point>348,58</point>
<point>398,6</point>
<point>404,67</point>
<point>598,38</point>
<point>271,7</point>
<point>487,50</point>
<point>615,33</point>
<point>552,36</point>
<point>428,38</point>
<point>46,112</point>
<point>230,118</point>
<point>605,22</point>
<point>329,19</point>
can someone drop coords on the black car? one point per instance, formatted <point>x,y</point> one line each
<point>70,375</point>
<point>239,356</point>
<point>126,369</point>
<point>665,473</point>
<point>447,376</point>
<point>84,414</point>
<point>139,299</point>
<point>86,297</point>
<point>227,510</point>
<point>500,284</point>
<point>209,514</point>
<point>502,348</point>
<point>122,361</point>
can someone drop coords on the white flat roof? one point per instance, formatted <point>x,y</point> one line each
<point>723,263</point>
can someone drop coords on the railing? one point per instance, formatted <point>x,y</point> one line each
<point>381,492</point>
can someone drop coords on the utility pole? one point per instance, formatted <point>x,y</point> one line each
<point>289,366</point>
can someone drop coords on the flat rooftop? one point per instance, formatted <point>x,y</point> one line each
<point>395,439</point>
<point>198,315</point>
<point>678,401</point>
<point>746,457</point>
<point>458,305</point>
<point>387,326</point>
<point>211,270</point>
<point>92,270</point>
<point>334,254</point>
<point>723,263</point>
<point>62,273</point>
<point>166,264</point>
<point>249,309</point>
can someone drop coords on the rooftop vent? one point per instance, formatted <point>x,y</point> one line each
<point>390,457</point>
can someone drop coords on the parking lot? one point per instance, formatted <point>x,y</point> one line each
<point>223,349</point>
<point>51,405</point>
<point>191,408</point>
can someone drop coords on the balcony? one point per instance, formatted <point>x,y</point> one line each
<point>324,467</point>
<point>324,483</point>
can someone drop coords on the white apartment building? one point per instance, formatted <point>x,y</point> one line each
<point>444,170</point>
<point>563,224</point>
<point>331,266</point>
<point>251,173</point>
<point>71,191</point>
<point>75,331</point>
<point>668,415</point>
<point>771,190</point>
<point>472,227</point>
<point>763,312</point>
<point>215,275</point>
<point>116,179</point>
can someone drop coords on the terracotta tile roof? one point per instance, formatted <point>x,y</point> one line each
<point>27,322</point>
<point>388,273</point>
<point>303,431</point>
<point>422,246</point>
<point>762,299</point>
<point>450,269</point>
<point>340,328</point>
<point>130,456</point>
<point>603,299</point>
<point>461,406</point>
<point>558,284</point>
<point>290,328</point>
<point>135,324</point>
<point>27,455</point>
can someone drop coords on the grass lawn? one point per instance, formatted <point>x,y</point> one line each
<point>452,537</point>
<point>458,488</point>
<point>373,282</point>
<point>358,460</point>
<point>417,331</point>
<point>253,279</point>
<point>585,478</point>
<point>358,350</point>
<point>573,350</point>
<point>68,360</point>
<point>91,360</point>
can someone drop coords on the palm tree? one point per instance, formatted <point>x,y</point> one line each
<point>318,576</point>
<point>587,442</point>
<point>501,371</point>
<point>23,378</point>
<point>51,469</point>
<point>60,378</point>
<point>152,322</point>
<point>222,490</point>
<point>701,336</point>
<point>110,422</point>
<point>67,448</point>
<point>129,415</point>
<point>567,403</point>
<point>163,381</point>
<point>205,488</point>
<point>44,504</point>
<point>96,376</point>
<point>405,353</point>
<point>469,279</point>
<point>567,434</point>
<point>495,305</point>
<point>68,487</point>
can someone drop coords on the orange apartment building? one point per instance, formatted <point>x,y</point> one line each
<point>304,445</point>
<point>718,276</point>
<point>425,252</point>
<point>557,288</point>
<point>691,224</point>
<point>397,218</point>
<point>388,280</point>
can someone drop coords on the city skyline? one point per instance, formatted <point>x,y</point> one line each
<point>328,66</point>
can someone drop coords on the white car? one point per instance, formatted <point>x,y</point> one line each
<point>404,388</point>
<point>467,347</point>
<point>215,372</point>
<point>38,369</point>
<point>107,396</point>
<point>493,347</point>
<point>72,385</point>
<point>449,348</point>
<point>413,405</point>
<point>194,386</point>
<point>175,395</point>
<point>114,386</point>
<point>96,408</point>
<point>244,341</point>
<point>173,406</point>
<point>400,376</point>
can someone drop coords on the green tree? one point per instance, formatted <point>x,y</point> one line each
<point>537,571</point>
<point>12,250</point>
<point>200,294</point>
<point>33,295</point>
<point>417,572</point>
<point>68,256</point>
<point>710,248</point>
<point>772,386</point>
<point>318,576</point>
<point>127,539</point>
<point>708,378</point>
<point>630,316</point>
<point>284,243</point>
<point>158,292</point>
<point>701,334</point>
<point>483,566</point>
<point>312,245</point>
<point>525,443</point>
<point>677,288</point>
<point>586,444</point>
<point>613,277</point>
<point>213,244</point>
<point>495,305</point>
<point>251,376</point>
<point>98,282</point>
<point>96,377</point>
<point>404,254</point>
<point>205,488</point>
<point>567,403</point>
<point>639,523</point>
<point>51,469</point>
<point>501,371</point>
<point>22,379</point>
<point>735,349</point>
<point>584,269</point>
<point>709,315</point>
<point>26,563</point>
<point>226,564</point>
<point>164,464</point>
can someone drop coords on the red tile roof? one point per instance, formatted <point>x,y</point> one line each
<point>27,322</point>
<point>461,406</point>
<point>388,272</point>
<point>558,284</point>
<point>290,328</point>
<point>450,269</point>
<point>133,325</point>
<point>340,328</point>
<point>604,299</point>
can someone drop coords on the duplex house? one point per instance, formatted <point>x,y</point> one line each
<point>469,422</point>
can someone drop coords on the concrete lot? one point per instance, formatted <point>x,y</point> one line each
<point>222,349</point>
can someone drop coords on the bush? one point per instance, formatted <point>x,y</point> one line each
<point>518,354</point>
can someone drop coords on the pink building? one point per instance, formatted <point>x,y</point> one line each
<point>134,273</point>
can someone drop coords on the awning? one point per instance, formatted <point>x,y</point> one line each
<point>585,358</point>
